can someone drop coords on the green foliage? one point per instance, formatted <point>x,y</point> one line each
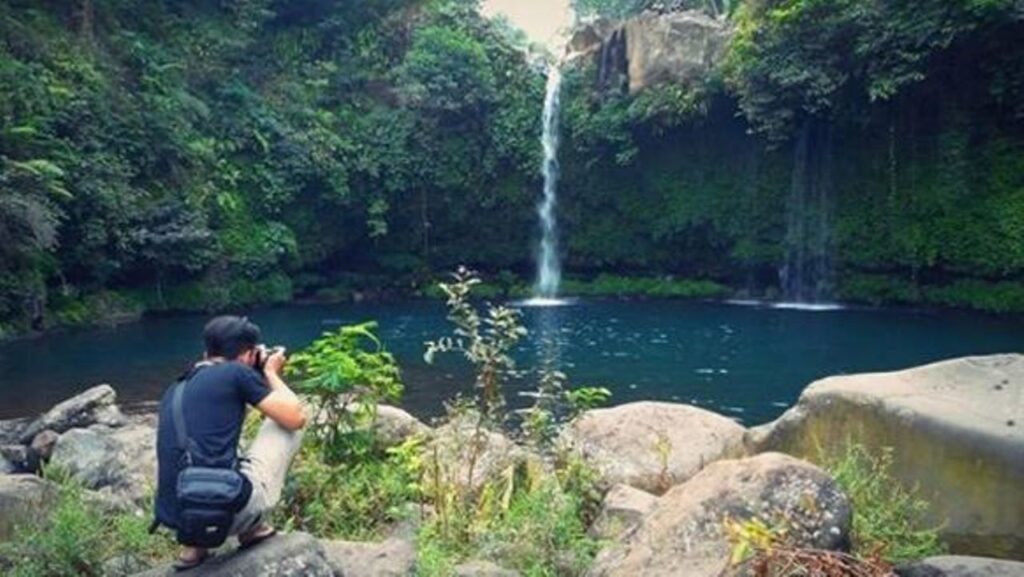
<point>350,500</point>
<point>888,519</point>
<point>345,374</point>
<point>64,540</point>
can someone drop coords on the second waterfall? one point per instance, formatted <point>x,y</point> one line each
<point>549,269</point>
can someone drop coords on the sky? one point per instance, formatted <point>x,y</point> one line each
<point>542,20</point>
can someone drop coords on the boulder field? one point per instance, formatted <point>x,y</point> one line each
<point>675,477</point>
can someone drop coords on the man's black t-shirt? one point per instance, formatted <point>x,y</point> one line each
<point>214,409</point>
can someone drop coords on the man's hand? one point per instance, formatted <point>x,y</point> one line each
<point>275,362</point>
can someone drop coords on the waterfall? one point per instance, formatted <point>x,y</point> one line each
<point>806,276</point>
<point>549,269</point>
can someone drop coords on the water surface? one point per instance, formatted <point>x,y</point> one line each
<point>746,362</point>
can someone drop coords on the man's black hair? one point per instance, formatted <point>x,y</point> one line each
<point>229,336</point>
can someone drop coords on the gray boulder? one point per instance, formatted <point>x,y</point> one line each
<point>652,446</point>
<point>391,558</point>
<point>957,432</point>
<point>622,509</point>
<point>953,566</point>
<point>21,498</point>
<point>482,569</point>
<point>10,429</point>
<point>91,407</point>
<point>294,555</point>
<point>122,461</point>
<point>685,533</point>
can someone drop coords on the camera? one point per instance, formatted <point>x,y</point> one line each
<point>263,352</point>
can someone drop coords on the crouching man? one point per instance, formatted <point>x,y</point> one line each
<point>206,490</point>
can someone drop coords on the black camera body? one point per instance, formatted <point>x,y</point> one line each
<point>263,352</point>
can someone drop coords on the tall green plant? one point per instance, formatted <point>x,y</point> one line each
<point>345,375</point>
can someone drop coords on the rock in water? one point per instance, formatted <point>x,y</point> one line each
<point>652,446</point>
<point>953,566</point>
<point>685,533</point>
<point>94,406</point>
<point>391,558</point>
<point>294,555</point>
<point>22,496</point>
<point>957,432</point>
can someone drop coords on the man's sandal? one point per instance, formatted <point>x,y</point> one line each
<point>184,564</point>
<point>261,534</point>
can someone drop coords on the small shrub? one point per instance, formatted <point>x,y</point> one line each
<point>888,519</point>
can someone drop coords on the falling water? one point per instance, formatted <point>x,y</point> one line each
<point>549,270</point>
<point>806,277</point>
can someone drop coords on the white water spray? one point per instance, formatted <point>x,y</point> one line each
<point>549,269</point>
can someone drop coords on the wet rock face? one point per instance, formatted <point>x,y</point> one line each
<point>957,432</point>
<point>650,445</point>
<point>685,533</point>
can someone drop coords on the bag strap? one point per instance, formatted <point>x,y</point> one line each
<point>178,415</point>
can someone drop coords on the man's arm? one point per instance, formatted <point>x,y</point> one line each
<point>282,405</point>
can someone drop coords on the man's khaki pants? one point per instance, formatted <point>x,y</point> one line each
<point>266,465</point>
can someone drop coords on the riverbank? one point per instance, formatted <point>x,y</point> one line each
<point>671,489</point>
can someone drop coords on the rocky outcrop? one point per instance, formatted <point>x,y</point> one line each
<point>685,533</point>
<point>622,509</point>
<point>391,558</point>
<point>652,446</point>
<point>953,566</point>
<point>682,47</point>
<point>294,555</point>
<point>21,496</point>
<point>957,432</point>
<point>91,407</point>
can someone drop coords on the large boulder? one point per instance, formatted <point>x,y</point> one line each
<point>482,569</point>
<point>22,497</point>
<point>391,558</point>
<point>680,47</point>
<point>622,509</point>
<point>93,406</point>
<point>121,461</point>
<point>294,555</point>
<point>652,446</point>
<point>954,566</point>
<point>685,533</point>
<point>957,432</point>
